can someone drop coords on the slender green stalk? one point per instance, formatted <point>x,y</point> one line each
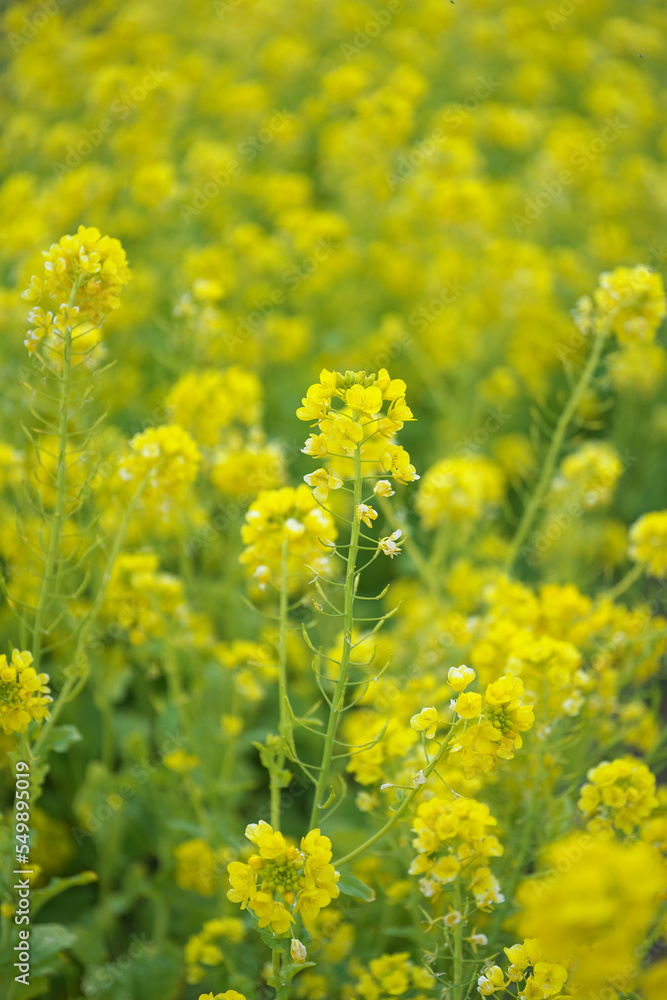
<point>407,801</point>
<point>91,617</point>
<point>58,518</point>
<point>458,943</point>
<point>623,584</point>
<point>276,964</point>
<point>348,619</point>
<point>562,426</point>
<point>285,709</point>
<point>275,801</point>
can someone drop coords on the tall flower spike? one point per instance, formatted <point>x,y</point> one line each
<point>85,271</point>
<point>348,410</point>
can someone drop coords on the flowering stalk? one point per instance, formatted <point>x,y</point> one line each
<point>562,426</point>
<point>458,944</point>
<point>285,708</point>
<point>68,689</point>
<point>407,801</point>
<point>336,704</point>
<point>61,486</point>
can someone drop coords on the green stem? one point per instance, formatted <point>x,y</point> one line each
<point>348,618</point>
<point>458,943</point>
<point>274,786</point>
<point>61,491</point>
<point>407,801</point>
<point>90,619</point>
<point>562,426</point>
<point>623,584</point>
<point>275,956</point>
<point>285,709</point>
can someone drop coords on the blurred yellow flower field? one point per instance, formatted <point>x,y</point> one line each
<point>333,521</point>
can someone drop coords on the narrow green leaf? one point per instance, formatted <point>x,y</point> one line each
<point>351,886</point>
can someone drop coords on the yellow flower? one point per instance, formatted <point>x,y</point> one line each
<point>549,977</point>
<point>290,516</point>
<point>458,678</point>
<point>491,980</point>
<point>359,425</point>
<point>460,489</point>
<point>228,995</point>
<point>198,866</point>
<point>396,461</point>
<point>468,705</point>
<point>366,514</point>
<point>364,401</point>
<point>621,792</point>
<point>281,880</point>
<point>637,296</point>
<point>93,264</point>
<point>167,456</point>
<point>322,482</point>
<point>390,544</point>
<point>593,908</point>
<point>24,694</point>
<point>426,722</point>
<point>648,542</point>
<point>383,488</point>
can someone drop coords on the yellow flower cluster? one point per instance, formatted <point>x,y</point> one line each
<point>392,976</point>
<point>287,521</point>
<point>24,694</point>
<point>83,275</point>
<point>199,866</point>
<point>501,719</point>
<point>281,880</point>
<point>536,978</point>
<point>244,467</point>
<point>454,840</point>
<point>251,664</point>
<point>166,457</point>
<point>359,422</point>
<point>620,795</point>
<point>591,904</point>
<point>648,542</point>
<point>142,599</point>
<point>588,476</point>
<point>210,401</point>
<point>461,490</point>
<point>204,949</point>
<point>227,995</point>
<point>637,297</point>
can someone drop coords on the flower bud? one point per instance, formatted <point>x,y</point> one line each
<point>458,678</point>
<point>298,951</point>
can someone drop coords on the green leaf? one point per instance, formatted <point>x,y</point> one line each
<point>287,974</point>
<point>61,738</point>
<point>351,886</point>
<point>273,942</point>
<point>46,941</point>
<point>57,885</point>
